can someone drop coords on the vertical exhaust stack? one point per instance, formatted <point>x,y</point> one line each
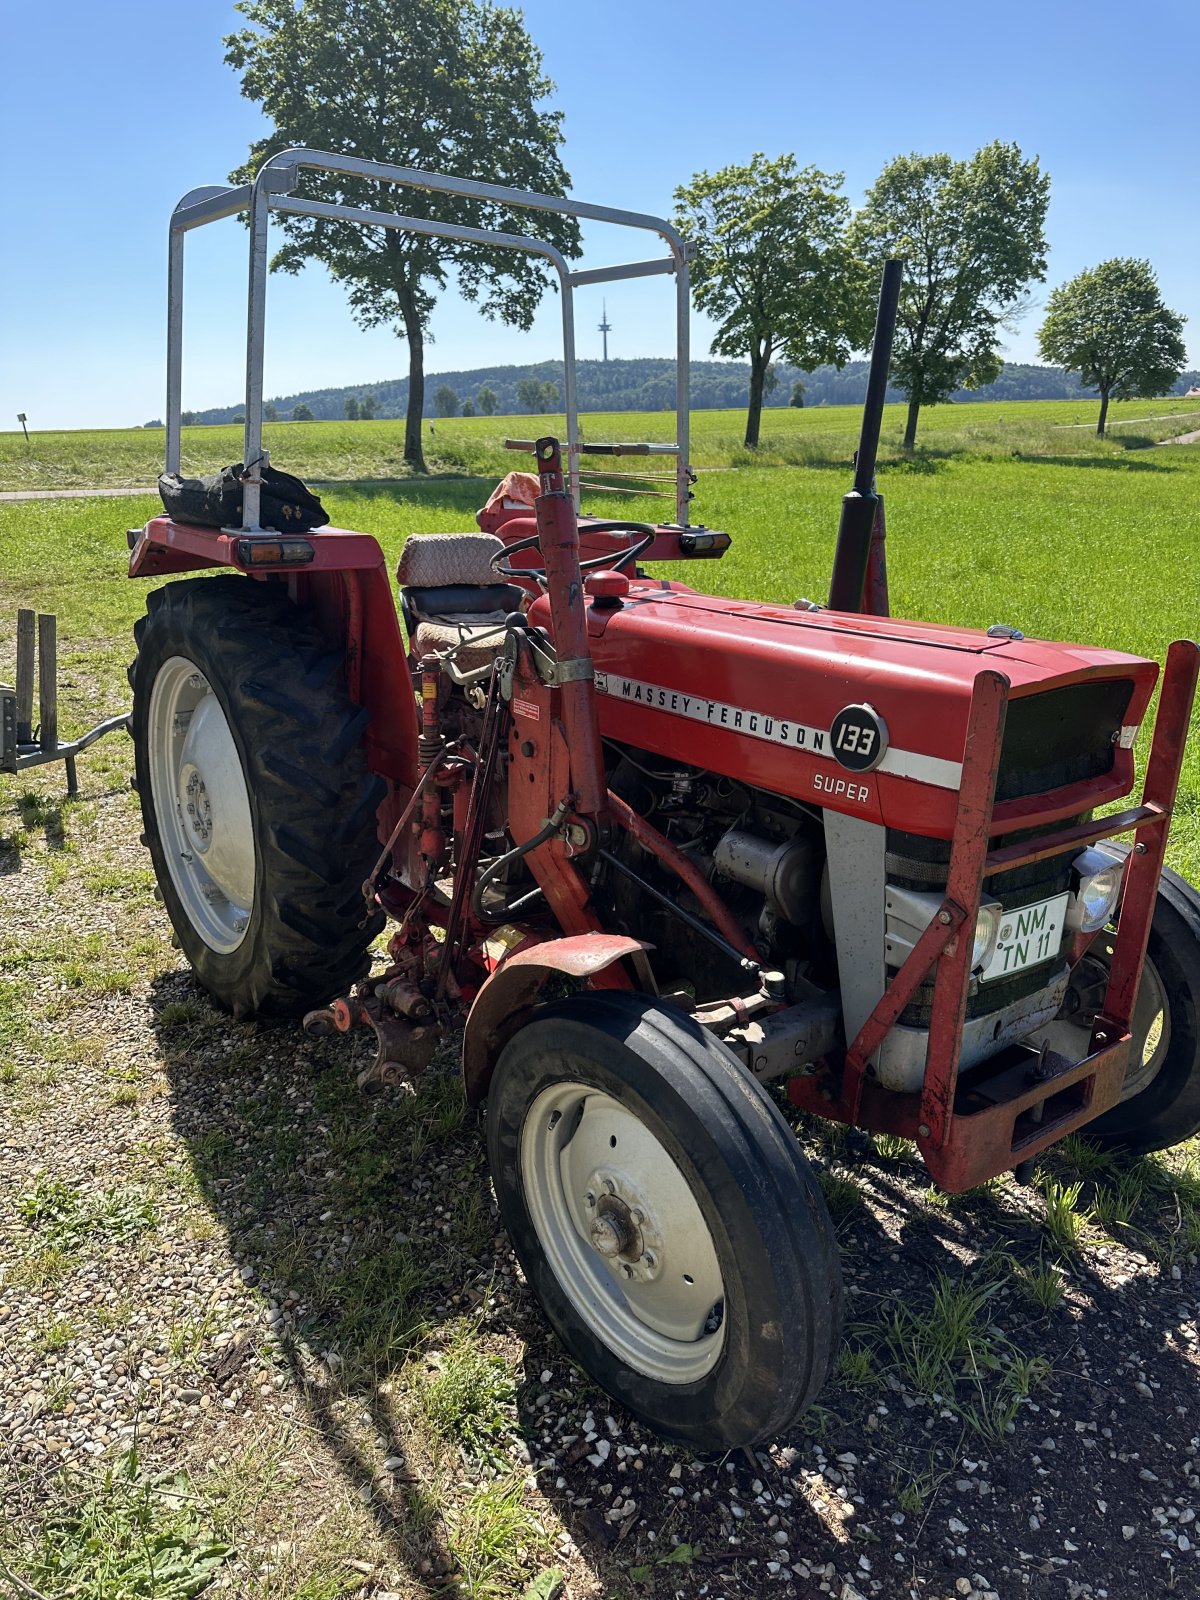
<point>859,507</point>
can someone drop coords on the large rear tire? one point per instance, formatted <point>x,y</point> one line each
<point>258,805</point>
<point>665,1218</point>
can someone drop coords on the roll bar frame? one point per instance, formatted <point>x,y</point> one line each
<point>273,189</point>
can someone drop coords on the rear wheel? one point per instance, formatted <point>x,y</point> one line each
<point>1160,1099</point>
<point>665,1218</point>
<point>258,805</point>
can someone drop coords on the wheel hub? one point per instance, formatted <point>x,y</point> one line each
<point>198,806</point>
<point>623,1233</point>
<point>623,1228</point>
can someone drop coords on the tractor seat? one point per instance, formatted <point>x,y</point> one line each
<point>450,598</point>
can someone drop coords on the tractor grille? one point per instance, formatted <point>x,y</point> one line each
<point>1051,740</point>
<point>1063,736</point>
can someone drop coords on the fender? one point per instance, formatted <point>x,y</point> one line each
<point>347,584</point>
<point>510,991</point>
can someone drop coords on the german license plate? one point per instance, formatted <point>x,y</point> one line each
<point>1027,935</point>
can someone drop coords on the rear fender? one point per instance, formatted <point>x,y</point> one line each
<point>501,1004</point>
<point>347,585</point>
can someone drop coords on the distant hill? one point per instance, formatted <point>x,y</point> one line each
<point>648,384</point>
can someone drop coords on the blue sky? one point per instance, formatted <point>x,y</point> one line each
<point>109,112</point>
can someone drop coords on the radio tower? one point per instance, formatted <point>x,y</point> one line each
<point>605,328</point>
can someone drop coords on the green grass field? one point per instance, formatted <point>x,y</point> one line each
<point>1058,429</point>
<point>1093,545</point>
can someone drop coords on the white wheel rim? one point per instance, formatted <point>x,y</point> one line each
<point>1150,1027</point>
<point>623,1233</point>
<point>202,804</point>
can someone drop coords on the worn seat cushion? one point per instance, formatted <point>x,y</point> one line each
<point>476,638</point>
<point>435,560</point>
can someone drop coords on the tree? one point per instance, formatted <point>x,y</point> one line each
<point>270,411</point>
<point>486,400</point>
<point>445,401</point>
<point>301,413</point>
<point>468,408</point>
<point>971,236</point>
<point>239,417</point>
<point>448,85</point>
<point>368,408</point>
<point>353,413</point>
<point>772,266</point>
<point>797,399</point>
<point>529,394</point>
<point>549,400</point>
<point>1110,326</point>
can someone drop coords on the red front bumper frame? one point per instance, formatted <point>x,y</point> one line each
<point>970,1132</point>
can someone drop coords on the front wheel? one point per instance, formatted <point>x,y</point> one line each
<point>665,1218</point>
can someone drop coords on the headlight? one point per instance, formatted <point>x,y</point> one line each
<point>987,926</point>
<point>1096,877</point>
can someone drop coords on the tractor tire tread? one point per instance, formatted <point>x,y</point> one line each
<point>312,794</point>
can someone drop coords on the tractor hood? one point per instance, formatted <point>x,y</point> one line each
<point>755,691</point>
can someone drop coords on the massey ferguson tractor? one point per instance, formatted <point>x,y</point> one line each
<point>653,852</point>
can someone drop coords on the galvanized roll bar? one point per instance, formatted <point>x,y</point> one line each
<point>272,190</point>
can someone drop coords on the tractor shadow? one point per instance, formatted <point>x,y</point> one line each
<point>371,1234</point>
<point>366,1229</point>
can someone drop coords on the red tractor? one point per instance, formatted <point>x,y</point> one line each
<point>741,844</point>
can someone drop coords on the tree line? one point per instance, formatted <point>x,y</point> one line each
<point>643,383</point>
<point>781,262</point>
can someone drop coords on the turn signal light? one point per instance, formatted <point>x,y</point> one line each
<point>274,552</point>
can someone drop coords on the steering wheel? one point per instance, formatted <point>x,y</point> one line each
<point>501,564</point>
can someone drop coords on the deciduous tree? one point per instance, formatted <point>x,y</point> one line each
<point>302,413</point>
<point>772,267</point>
<point>529,394</point>
<point>487,401</point>
<point>353,413</point>
<point>449,85</point>
<point>971,236</point>
<point>1110,326</point>
<point>445,401</point>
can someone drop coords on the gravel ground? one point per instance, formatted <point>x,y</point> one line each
<point>214,1250</point>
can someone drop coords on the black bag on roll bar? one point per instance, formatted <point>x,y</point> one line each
<point>215,501</point>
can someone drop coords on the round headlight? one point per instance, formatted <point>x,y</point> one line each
<point>1096,877</point>
<point>987,927</point>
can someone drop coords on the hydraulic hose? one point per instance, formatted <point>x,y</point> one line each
<point>486,878</point>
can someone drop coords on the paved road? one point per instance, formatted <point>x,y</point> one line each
<point>74,494</point>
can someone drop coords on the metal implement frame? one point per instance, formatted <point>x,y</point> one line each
<point>272,189</point>
<point>18,747</point>
<point>970,1132</point>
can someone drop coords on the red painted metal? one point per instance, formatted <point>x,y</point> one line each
<point>1150,842</point>
<point>385,688</point>
<point>503,1000</point>
<point>968,851</point>
<point>558,538</point>
<point>650,839</point>
<point>938,940</point>
<point>354,635</point>
<point>703,651</point>
<point>1054,844</point>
